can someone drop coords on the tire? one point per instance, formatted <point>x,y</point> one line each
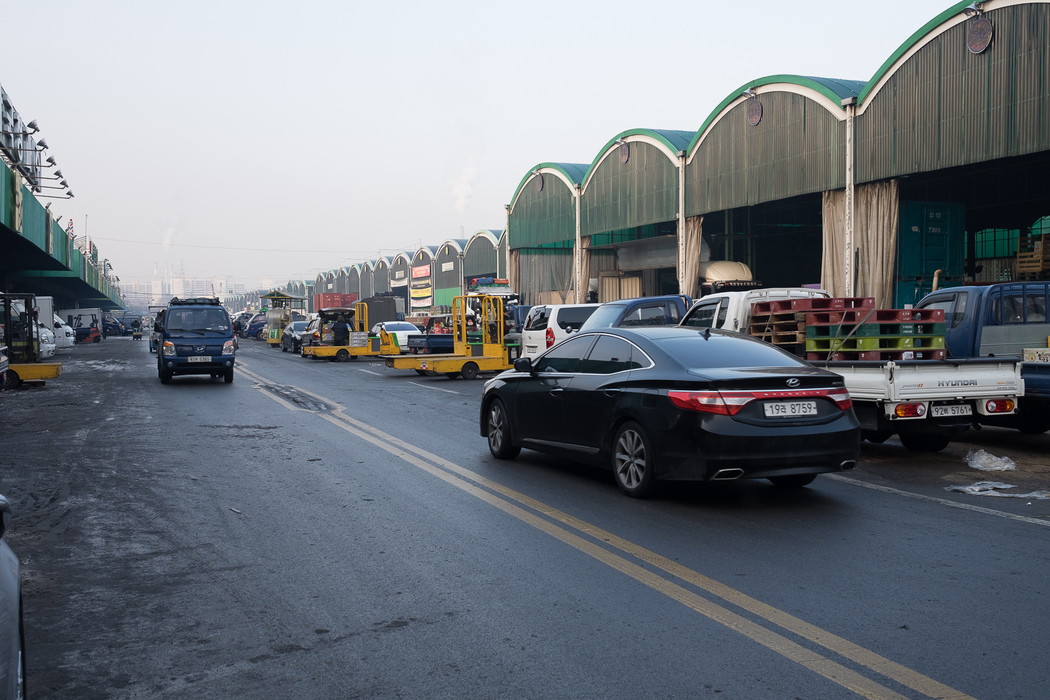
<point>165,377</point>
<point>261,335</point>
<point>342,356</point>
<point>470,370</point>
<point>12,380</point>
<point>924,442</point>
<point>97,339</point>
<point>498,425</point>
<point>421,372</point>
<point>794,481</point>
<point>284,348</point>
<point>633,461</point>
<point>228,376</point>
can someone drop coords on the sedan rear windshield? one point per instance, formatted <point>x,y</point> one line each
<point>693,352</point>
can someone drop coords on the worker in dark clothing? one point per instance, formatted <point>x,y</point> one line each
<point>341,331</point>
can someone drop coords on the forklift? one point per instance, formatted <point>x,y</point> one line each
<point>486,350</point>
<point>19,333</point>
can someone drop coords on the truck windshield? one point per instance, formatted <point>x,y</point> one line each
<point>197,320</point>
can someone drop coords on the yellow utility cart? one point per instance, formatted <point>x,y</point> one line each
<point>18,332</point>
<point>483,351</point>
<point>279,308</point>
<point>362,343</point>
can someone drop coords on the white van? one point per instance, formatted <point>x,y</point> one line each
<point>550,324</point>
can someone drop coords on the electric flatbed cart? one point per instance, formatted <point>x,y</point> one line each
<point>484,351</point>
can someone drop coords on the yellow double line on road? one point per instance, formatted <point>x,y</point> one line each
<point>561,525</point>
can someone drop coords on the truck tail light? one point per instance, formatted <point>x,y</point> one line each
<point>549,335</point>
<point>999,406</point>
<point>910,410</point>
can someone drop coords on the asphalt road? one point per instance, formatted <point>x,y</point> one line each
<point>324,530</point>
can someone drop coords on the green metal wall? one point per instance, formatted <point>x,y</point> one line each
<point>541,217</point>
<point>644,190</point>
<point>480,258</point>
<point>947,107</point>
<point>797,148</point>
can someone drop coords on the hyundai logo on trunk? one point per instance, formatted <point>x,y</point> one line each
<point>793,382</point>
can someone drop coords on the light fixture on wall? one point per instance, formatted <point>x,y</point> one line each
<point>68,195</point>
<point>42,143</point>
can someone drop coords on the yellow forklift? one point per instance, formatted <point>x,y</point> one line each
<point>361,342</point>
<point>19,332</point>
<point>485,350</point>
<point>279,313</point>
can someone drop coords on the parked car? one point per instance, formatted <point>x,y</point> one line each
<point>47,341</point>
<point>673,404</point>
<point>291,336</point>
<point>12,632</point>
<point>644,311</point>
<point>401,330</point>
<point>111,326</point>
<point>65,337</point>
<point>255,327</point>
<point>550,324</point>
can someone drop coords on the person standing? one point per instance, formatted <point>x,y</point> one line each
<point>341,331</point>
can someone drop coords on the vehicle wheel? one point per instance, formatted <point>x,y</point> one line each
<point>924,442</point>
<point>97,339</point>
<point>470,370</point>
<point>228,376</point>
<point>261,335</point>
<point>165,377</point>
<point>12,380</point>
<point>342,356</point>
<point>451,375</point>
<point>284,348</point>
<point>499,432</point>
<point>430,372</point>
<point>421,372</point>
<point>632,461</point>
<point>794,481</point>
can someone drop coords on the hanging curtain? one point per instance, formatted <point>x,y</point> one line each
<point>878,210</point>
<point>16,181</point>
<point>585,270</point>
<point>832,265</point>
<point>689,267</point>
<point>514,275</point>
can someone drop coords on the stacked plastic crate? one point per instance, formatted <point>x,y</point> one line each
<point>849,328</point>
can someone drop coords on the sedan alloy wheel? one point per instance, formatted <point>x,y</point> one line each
<point>632,461</point>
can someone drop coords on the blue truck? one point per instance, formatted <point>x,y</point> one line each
<point>1002,320</point>
<point>665,310</point>
<point>195,336</point>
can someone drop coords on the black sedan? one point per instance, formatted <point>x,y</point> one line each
<point>292,336</point>
<point>674,404</point>
<point>12,635</point>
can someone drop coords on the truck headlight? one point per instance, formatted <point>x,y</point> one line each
<point>169,347</point>
<point>227,347</point>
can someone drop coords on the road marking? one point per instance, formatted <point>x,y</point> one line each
<point>461,478</point>
<point>427,386</point>
<point>368,371</point>
<point>941,501</point>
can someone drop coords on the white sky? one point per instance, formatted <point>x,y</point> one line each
<point>281,139</point>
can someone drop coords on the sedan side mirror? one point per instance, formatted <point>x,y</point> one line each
<point>523,364</point>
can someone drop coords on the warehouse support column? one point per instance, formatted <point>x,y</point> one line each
<point>578,264</point>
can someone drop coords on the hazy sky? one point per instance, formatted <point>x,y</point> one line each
<point>254,139</point>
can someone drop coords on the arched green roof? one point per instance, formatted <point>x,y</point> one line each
<point>573,172</point>
<point>490,234</point>
<point>834,89</point>
<point>675,141</point>
<point>908,44</point>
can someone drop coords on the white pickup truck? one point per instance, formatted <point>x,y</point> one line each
<point>925,402</point>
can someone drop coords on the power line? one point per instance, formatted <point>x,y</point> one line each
<point>242,248</point>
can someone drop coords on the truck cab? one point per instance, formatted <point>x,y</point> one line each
<point>195,336</point>
<point>1003,320</point>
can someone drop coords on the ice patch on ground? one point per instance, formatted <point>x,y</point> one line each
<point>996,488</point>
<point>103,365</point>
<point>980,459</point>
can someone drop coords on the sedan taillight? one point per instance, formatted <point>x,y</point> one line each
<point>549,336</point>
<point>729,403</point>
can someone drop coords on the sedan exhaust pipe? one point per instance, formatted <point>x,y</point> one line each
<point>727,474</point>
<point>848,464</point>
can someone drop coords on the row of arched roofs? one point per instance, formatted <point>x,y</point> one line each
<point>970,86</point>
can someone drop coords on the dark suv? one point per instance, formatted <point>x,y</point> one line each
<point>196,337</point>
